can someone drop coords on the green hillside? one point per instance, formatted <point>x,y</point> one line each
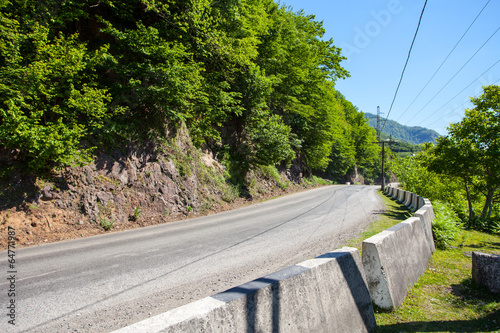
<point>251,81</point>
<point>414,135</point>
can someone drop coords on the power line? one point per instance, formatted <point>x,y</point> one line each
<point>462,103</point>
<point>437,70</point>
<point>460,92</point>
<point>454,75</point>
<point>404,68</point>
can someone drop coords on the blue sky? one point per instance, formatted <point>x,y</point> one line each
<point>375,36</point>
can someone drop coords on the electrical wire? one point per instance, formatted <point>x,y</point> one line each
<point>437,70</point>
<point>435,112</point>
<point>454,75</point>
<point>404,68</point>
<point>458,106</point>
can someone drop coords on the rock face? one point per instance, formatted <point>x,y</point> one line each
<point>113,185</point>
<point>486,270</point>
<point>159,184</point>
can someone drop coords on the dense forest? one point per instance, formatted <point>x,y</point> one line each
<point>252,81</point>
<point>414,135</point>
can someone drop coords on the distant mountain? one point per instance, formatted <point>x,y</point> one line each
<point>414,135</point>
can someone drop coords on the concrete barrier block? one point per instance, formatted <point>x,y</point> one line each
<point>414,202</point>
<point>431,209</point>
<point>426,201</point>
<point>411,205</point>
<point>394,193</point>
<point>394,260</point>
<point>425,214</point>
<point>325,294</point>
<point>401,195</point>
<point>420,202</point>
<point>486,270</point>
<point>407,200</point>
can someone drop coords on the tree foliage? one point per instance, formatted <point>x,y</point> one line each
<point>471,150</point>
<point>251,79</point>
<point>462,168</point>
<point>48,99</point>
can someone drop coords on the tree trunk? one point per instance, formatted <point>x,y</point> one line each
<point>488,205</point>
<point>469,201</point>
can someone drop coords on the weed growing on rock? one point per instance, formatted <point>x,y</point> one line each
<point>106,224</point>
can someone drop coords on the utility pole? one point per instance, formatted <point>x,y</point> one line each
<point>383,143</point>
<point>378,122</point>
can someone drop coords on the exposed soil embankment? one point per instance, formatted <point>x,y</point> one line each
<point>136,186</point>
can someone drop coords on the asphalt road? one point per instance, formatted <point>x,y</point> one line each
<point>102,283</point>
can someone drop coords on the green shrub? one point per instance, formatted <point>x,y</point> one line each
<point>491,225</point>
<point>137,211</point>
<point>445,226</point>
<point>314,181</point>
<point>495,226</point>
<point>106,224</point>
<point>230,192</point>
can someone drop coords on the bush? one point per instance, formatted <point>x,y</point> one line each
<point>491,225</point>
<point>135,216</point>
<point>48,100</point>
<point>445,225</point>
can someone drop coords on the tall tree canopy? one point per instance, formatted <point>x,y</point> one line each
<point>250,78</point>
<point>471,150</point>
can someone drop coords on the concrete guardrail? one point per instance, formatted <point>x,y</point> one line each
<point>394,259</point>
<point>324,294</point>
<point>421,206</point>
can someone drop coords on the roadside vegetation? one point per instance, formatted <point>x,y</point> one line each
<point>253,82</point>
<point>461,170</point>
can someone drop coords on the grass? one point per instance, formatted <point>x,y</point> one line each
<point>445,298</point>
<point>315,181</point>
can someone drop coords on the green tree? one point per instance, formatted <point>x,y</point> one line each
<point>250,79</point>
<point>471,150</point>
<point>302,67</point>
<point>414,175</point>
<point>48,99</point>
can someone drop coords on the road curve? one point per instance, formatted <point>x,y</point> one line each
<point>102,283</point>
